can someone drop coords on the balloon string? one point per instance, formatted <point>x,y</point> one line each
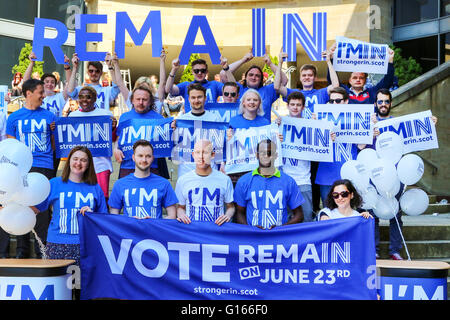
<point>41,245</point>
<point>403,239</point>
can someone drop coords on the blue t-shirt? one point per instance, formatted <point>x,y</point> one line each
<point>67,198</point>
<point>105,95</point>
<point>128,163</point>
<point>312,97</point>
<point>329,172</point>
<point>32,127</point>
<point>239,122</point>
<point>142,197</point>
<point>213,91</point>
<point>268,96</point>
<point>55,104</point>
<point>267,199</point>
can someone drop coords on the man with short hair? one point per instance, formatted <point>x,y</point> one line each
<point>264,195</point>
<point>33,126</point>
<point>197,99</point>
<point>200,72</point>
<point>230,92</point>
<point>203,192</point>
<point>105,95</point>
<point>143,194</point>
<point>142,101</point>
<point>383,105</point>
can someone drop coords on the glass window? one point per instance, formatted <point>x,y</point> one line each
<point>423,50</point>
<point>50,65</point>
<point>62,10</point>
<point>410,11</point>
<point>445,8</point>
<point>9,56</point>
<point>445,47</point>
<point>19,10</point>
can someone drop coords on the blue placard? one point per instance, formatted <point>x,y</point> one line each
<point>157,131</point>
<point>398,288</point>
<point>95,133</point>
<point>223,110</point>
<point>126,258</point>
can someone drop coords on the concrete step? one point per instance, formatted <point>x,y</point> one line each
<point>437,208</point>
<point>419,250</point>
<point>419,233</point>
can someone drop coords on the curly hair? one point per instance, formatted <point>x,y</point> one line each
<point>355,203</point>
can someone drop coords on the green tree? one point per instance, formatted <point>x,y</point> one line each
<point>24,61</point>
<point>267,69</point>
<point>406,69</point>
<point>187,72</point>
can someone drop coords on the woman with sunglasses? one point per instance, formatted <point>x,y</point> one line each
<point>342,201</point>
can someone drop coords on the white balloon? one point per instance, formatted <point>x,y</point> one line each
<point>16,219</point>
<point>370,198</point>
<point>35,189</point>
<point>410,169</point>
<point>367,156</point>
<point>414,202</point>
<point>393,191</point>
<point>356,172</point>
<point>389,145</point>
<point>386,208</point>
<point>383,175</point>
<point>17,153</point>
<point>10,181</point>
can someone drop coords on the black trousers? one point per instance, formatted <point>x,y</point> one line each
<point>41,227</point>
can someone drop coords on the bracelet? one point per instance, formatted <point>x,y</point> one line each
<point>226,69</point>
<point>110,68</point>
<point>66,68</point>
<point>171,75</point>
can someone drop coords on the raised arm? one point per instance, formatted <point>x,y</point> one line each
<point>229,77</point>
<point>274,68</point>
<point>114,68</point>
<point>29,71</point>
<point>279,88</point>
<point>235,65</point>
<point>331,72</point>
<point>170,87</point>
<point>162,76</point>
<point>68,73</point>
<point>72,83</point>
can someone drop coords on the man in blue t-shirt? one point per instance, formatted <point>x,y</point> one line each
<point>143,194</point>
<point>142,100</point>
<point>200,72</point>
<point>33,126</point>
<point>264,195</point>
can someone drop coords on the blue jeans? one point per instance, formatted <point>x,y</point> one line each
<point>395,238</point>
<point>307,208</point>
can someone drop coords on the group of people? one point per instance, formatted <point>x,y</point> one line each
<point>266,197</point>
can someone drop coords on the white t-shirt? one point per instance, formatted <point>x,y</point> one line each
<point>2,126</point>
<point>100,163</point>
<point>204,197</point>
<point>335,214</point>
<point>300,170</point>
<point>185,167</point>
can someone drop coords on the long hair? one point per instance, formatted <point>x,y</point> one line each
<point>241,104</point>
<point>244,82</point>
<point>355,203</point>
<point>89,175</point>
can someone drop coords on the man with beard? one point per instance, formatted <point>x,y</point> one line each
<point>264,195</point>
<point>143,194</point>
<point>383,104</point>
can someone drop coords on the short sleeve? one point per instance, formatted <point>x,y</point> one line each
<point>169,197</point>
<point>179,192</point>
<point>115,198</point>
<point>240,193</point>
<point>229,196</point>
<point>101,201</point>
<point>295,196</point>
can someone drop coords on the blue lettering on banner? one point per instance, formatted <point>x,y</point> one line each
<point>225,111</point>
<point>94,133</point>
<point>171,260</point>
<point>348,120</point>
<point>27,293</point>
<point>307,135</point>
<point>259,32</point>
<point>411,128</point>
<point>361,51</point>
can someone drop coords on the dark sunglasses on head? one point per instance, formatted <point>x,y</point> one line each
<point>343,194</point>
<point>93,71</point>
<point>199,70</point>
<point>335,100</point>
<point>383,101</point>
<point>231,94</point>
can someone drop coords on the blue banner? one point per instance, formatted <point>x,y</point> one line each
<point>225,111</point>
<point>94,133</point>
<point>126,258</point>
<point>189,131</point>
<point>157,131</point>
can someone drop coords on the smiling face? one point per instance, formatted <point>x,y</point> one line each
<point>200,71</point>
<point>94,74</point>
<point>143,157</point>
<point>35,98</point>
<point>230,94</point>
<point>295,108</point>
<point>79,163</point>
<point>86,100</point>
<point>307,78</point>
<point>342,202</point>
<point>357,80</point>
<point>251,102</point>
<point>203,154</point>
<point>267,154</point>
<point>383,104</point>
<point>197,100</point>
<point>253,78</point>
<point>49,85</point>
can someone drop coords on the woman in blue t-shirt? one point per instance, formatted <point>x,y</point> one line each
<point>75,192</point>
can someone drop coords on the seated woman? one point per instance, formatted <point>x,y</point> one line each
<point>342,201</point>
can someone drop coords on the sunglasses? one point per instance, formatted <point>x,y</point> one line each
<point>343,194</point>
<point>335,100</point>
<point>93,71</point>
<point>199,71</point>
<point>380,102</point>
<point>231,94</point>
